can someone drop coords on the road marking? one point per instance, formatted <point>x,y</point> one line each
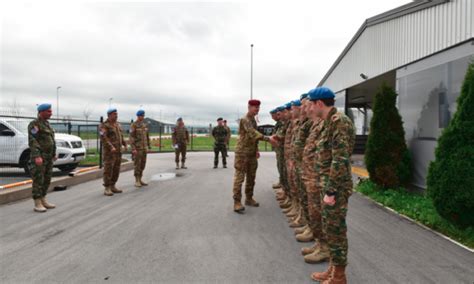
<point>360,171</point>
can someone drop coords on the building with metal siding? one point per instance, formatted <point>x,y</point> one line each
<point>421,49</point>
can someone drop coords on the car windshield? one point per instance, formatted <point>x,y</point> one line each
<point>20,125</point>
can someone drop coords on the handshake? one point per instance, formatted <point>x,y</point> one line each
<point>274,141</point>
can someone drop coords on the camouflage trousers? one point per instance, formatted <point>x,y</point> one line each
<point>302,194</point>
<point>220,148</point>
<point>41,176</point>
<point>335,229</point>
<point>181,150</point>
<point>291,178</point>
<point>282,170</point>
<point>111,167</point>
<point>139,160</point>
<point>245,169</point>
<point>314,199</point>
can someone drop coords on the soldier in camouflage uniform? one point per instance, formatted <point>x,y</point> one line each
<point>333,162</point>
<point>42,156</point>
<point>112,141</point>
<point>283,197</point>
<point>140,142</point>
<point>180,139</point>
<point>276,117</point>
<point>220,142</point>
<point>246,155</point>
<point>303,234</point>
<point>229,135</point>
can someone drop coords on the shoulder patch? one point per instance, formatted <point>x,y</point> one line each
<point>34,130</point>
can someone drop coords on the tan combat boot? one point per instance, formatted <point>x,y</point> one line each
<point>108,191</point>
<point>319,255</point>
<point>115,190</point>
<point>323,276</point>
<point>142,182</point>
<point>285,204</point>
<point>238,207</point>
<point>46,204</point>
<point>251,202</point>
<point>301,229</point>
<point>306,236</point>
<point>183,166</point>
<point>338,275</point>
<point>294,212</point>
<point>177,166</point>
<point>309,250</point>
<point>39,207</point>
<point>297,222</point>
<point>137,182</point>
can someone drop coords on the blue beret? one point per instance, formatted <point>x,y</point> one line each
<point>111,110</point>
<point>287,106</point>
<point>321,93</point>
<point>43,107</point>
<point>296,103</point>
<point>140,113</point>
<point>179,119</point>
<point>273,111</point>
<point>303,96</point>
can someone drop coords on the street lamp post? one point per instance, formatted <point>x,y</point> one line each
<point>251,71</point>
<point>57,100</point>
<point>110,102</point>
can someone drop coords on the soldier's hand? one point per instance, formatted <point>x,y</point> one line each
<point>329,200</point>
<point>258,155</point>
<point>113,150</point>
<point>134,152</point>
<point>38,161</point>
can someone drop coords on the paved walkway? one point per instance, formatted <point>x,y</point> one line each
<point>183,230</point>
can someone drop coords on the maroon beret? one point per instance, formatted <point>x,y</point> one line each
<point>254,102</point>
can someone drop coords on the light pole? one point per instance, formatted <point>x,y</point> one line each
<point>110,102</point>
<point>57,100</point>
<point>251,71</point>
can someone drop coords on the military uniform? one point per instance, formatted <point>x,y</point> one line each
<point>140,142</point>
<point>246,158</point>
<point>229,135</point>
<point>288,149</point>
<point>180,138</point>
<point>278,152</point>
<point>220,135</point>
<point>281,136</point>
<point>333,162</point>
<point>42,145</point>
<point>112,137</point>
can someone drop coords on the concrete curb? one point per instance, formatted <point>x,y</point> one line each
<point>415,222</point>
<point>24,192</point>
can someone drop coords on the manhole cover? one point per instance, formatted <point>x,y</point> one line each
<point>163,176</point>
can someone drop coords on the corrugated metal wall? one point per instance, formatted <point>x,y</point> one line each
<point>389,45</point>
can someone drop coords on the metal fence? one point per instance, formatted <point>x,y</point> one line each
<point>78,143</point>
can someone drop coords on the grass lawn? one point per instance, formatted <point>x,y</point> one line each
<point>418,207</point>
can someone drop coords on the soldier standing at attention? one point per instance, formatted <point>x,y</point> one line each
<point>112,142</point>
<point>276,117</point>
<point>140,142</point>
<point>285,197</point>
<point>246,155</point>
<point>43,155</point>
<point>333,161</point>
<point>229,134</point>
<point>180,139</point>
<point>220,138</point>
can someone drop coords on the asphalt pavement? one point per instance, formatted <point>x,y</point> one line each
<point>182,229</point>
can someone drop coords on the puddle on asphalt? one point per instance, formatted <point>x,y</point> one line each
<point>163,176</point>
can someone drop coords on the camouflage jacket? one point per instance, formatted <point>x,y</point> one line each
<point>299,140</point>
<point>309,151</point>
<point>280,134</point>
<point>180,135</point>
<point>112,136</point>
<point>41,139</point>
<point>229,133</point>
<point>139,136</point>
<point>333,153</point>
<point>247,144</point>
<point>288,148</point>
<point>220,135</point>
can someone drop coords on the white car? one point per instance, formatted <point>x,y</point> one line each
<point>15,152</point>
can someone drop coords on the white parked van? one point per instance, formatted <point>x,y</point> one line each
<point>15,152</point>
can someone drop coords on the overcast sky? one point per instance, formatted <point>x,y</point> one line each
<point>189,59</point>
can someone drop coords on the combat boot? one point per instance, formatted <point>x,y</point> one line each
<point>301,230</point>
<point>276,185</point>
<point>285,203</point>
<point>323,276</point>
<point>309,250</point>
<point>306,236</point>
<point>115,190</point>
<point>338,275</point>
<point>225,166</point>
<point>46,204</point>
<point>294,211</point>
<point>289,209</point>
<point>238,207</point>
<point>177,166</point>
<point>319,255</point>
<point>108,191</point>
<point>137,182</point>
<point>142,182</point>
<point>297,222</point>
<point>183,166</point>
<point>39,207</point>
<point>251,202</point>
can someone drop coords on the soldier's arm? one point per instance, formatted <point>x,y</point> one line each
<point>173,136</point>
<point>33,143</point>
<point>132,136</point>
<point>252,132</point>
<point>124,143</point>
<point>341,162</point>
<point>148,141</point>
<point>54,145</point>
<point>105,139</point>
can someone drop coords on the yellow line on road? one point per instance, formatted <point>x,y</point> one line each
<point>360,172</point>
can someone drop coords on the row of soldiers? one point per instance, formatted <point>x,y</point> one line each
<point>313,160</point>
